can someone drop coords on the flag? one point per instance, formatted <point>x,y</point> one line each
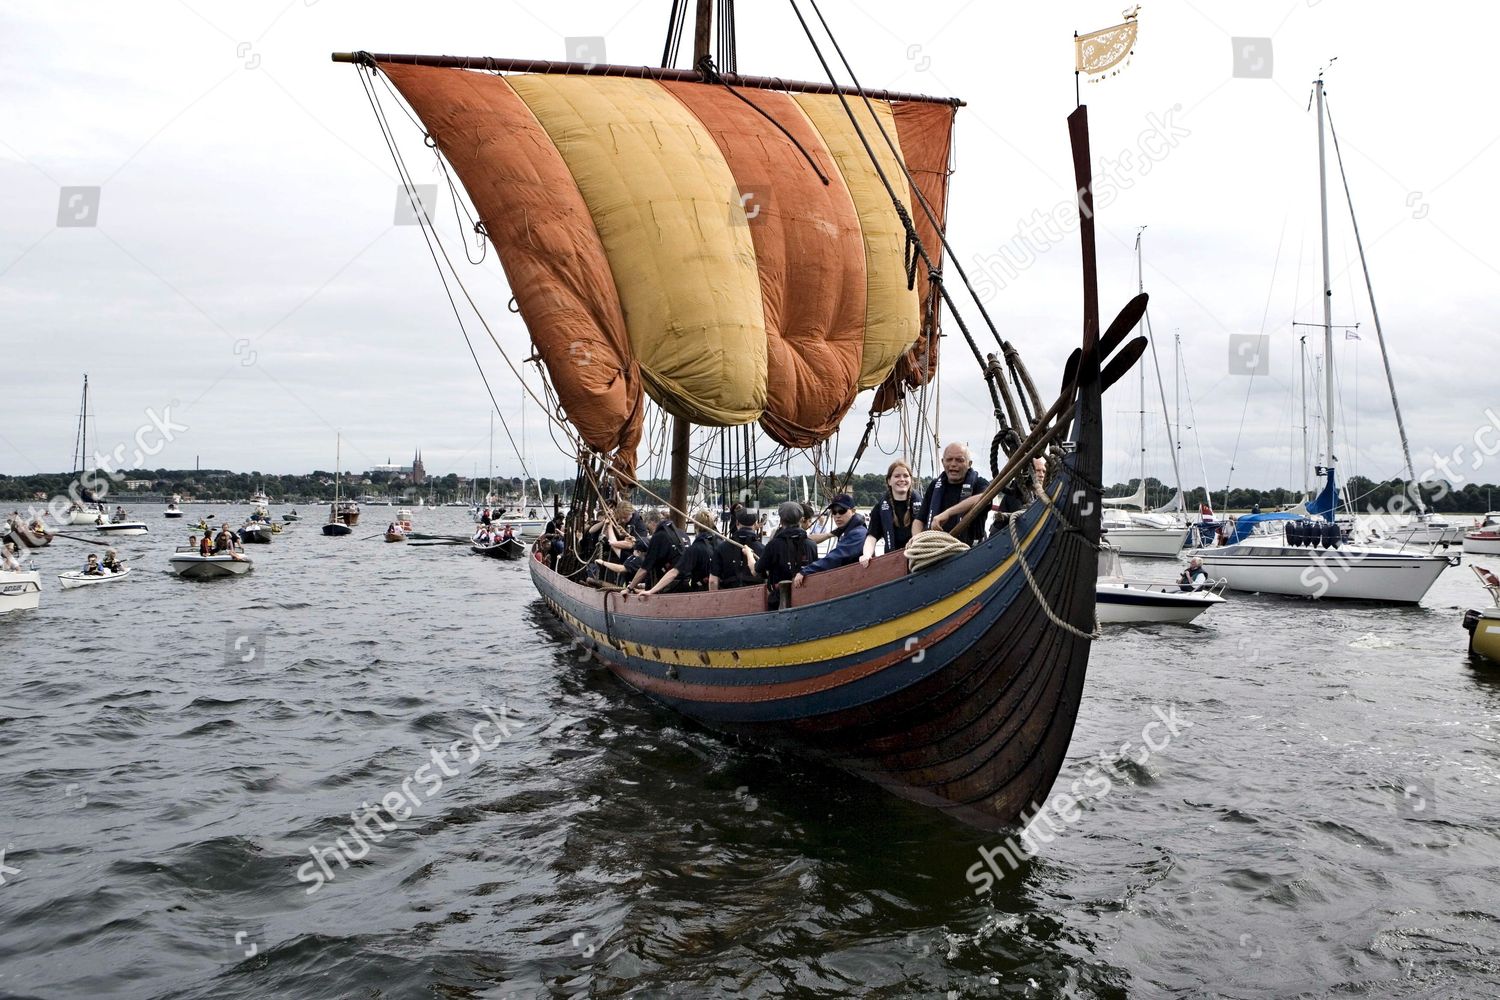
<point>1101,51</point>
<point>1351,334</point>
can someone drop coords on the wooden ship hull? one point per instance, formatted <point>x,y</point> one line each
<point>949,687</point>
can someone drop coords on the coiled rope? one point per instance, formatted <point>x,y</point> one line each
<point>932,547</point>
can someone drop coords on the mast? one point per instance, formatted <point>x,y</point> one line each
<point>682,429</point>
<point>1306,464</point>
<point>1327,283</point>
<point>81,440</point>
<point>1385,357</point>
<point>1140,279</point>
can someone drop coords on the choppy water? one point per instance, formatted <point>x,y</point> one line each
<point>1326,824</point>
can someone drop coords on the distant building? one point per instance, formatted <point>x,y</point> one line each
<point>414,472</point>
<point>418,473</point>
<point>138,484</point>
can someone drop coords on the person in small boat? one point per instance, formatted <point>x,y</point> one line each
<point>850,529</point>
<point>662,553</point>
<point>890,519</point>
<point>507,532</point>
<point>223,541</point>
<point>1195,577</point>
<point>735,557</point>
<point>112,561</point>
<point>92,567</point>
<point>690,573</point>
<point>10,560</point>
<point>788,551</point>
<point>950,496</point>
<point>393,528</point>
<point>119,515</point>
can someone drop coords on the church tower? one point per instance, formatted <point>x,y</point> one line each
<point>418,474</point>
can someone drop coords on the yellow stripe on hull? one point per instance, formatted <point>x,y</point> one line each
<point>817,650</point>
<point>891,309</point>
<point>665,206</point>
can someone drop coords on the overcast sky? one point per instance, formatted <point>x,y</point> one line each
<point>242,266</point>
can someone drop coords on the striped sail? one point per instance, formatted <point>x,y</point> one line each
<point>667,239</point>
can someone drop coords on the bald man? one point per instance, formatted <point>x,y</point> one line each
<point>950,496</point>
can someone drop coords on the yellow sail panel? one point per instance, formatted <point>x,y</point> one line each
<point>891,309</point>
<point>661,196</point>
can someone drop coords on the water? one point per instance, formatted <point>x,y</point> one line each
<point>1323,823</point>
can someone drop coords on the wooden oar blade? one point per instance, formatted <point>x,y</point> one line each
<point>1070,371</point>
<point>1120,328</point>
<point>1122,363</point>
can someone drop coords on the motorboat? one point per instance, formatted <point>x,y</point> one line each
<point>291,518</point>
<point>1123,600</point>
<point>78,578</point>
<point>259,500</point>
<point>172,511</point>
<point>123,528</point>
<point>1427,529</point>
<point>1483,624</point>
<point>403,519</point>
<point>191,566</point>
<point>1150,536</point>
<point>256,533</point>
<point>1483,539</point>
<point>20,590</point>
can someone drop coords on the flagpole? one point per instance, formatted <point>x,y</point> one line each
<point>1077,94</point>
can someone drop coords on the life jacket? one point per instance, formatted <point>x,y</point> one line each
<point>887,516</point>
<point>930,509</point>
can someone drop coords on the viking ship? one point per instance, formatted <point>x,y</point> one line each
<point>745,251</point>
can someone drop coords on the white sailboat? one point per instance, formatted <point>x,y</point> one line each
<point>88,512</point>
<point>1147,533</point>
<point>1307,555</point>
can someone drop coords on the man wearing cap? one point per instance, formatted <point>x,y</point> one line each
<point>951,495</point>
<point>849,529</point>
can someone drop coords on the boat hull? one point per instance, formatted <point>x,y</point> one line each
<point>1484,634</point>
<point>172,514</point>
<point>76,579</point>
<point>511,549</point>
<point>28,539</point>
<point>394,536</point>
<point>124,528</point>
<point>1340,573</point>
<point>1147,543</point>
<point>258,535</point>
<point>949,687</point>
<point>20,591</point>
<point>336,528</point>
<point>209,567</point>
<point>1482,544</point>
<point>1119,604</point>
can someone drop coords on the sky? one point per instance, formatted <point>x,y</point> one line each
<point>232,266</point>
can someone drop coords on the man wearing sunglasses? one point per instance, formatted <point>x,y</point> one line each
<point>849,529</point>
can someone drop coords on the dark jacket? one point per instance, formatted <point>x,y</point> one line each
<point>785,556</point>
<point>850,547</point>
<point>941,495</point>
<point>729,559</point>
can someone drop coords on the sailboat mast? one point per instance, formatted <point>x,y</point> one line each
<point>1306,464</point>
<point>81,441</point>
<point>1327,280</point>
<point>682,429</point>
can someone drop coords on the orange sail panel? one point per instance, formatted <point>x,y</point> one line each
<point>890,307</point>
<point>657,188</point>
<point>808,251</point>
<point>926,136</point>
<point>667,238</point>
<point>553,257</point>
